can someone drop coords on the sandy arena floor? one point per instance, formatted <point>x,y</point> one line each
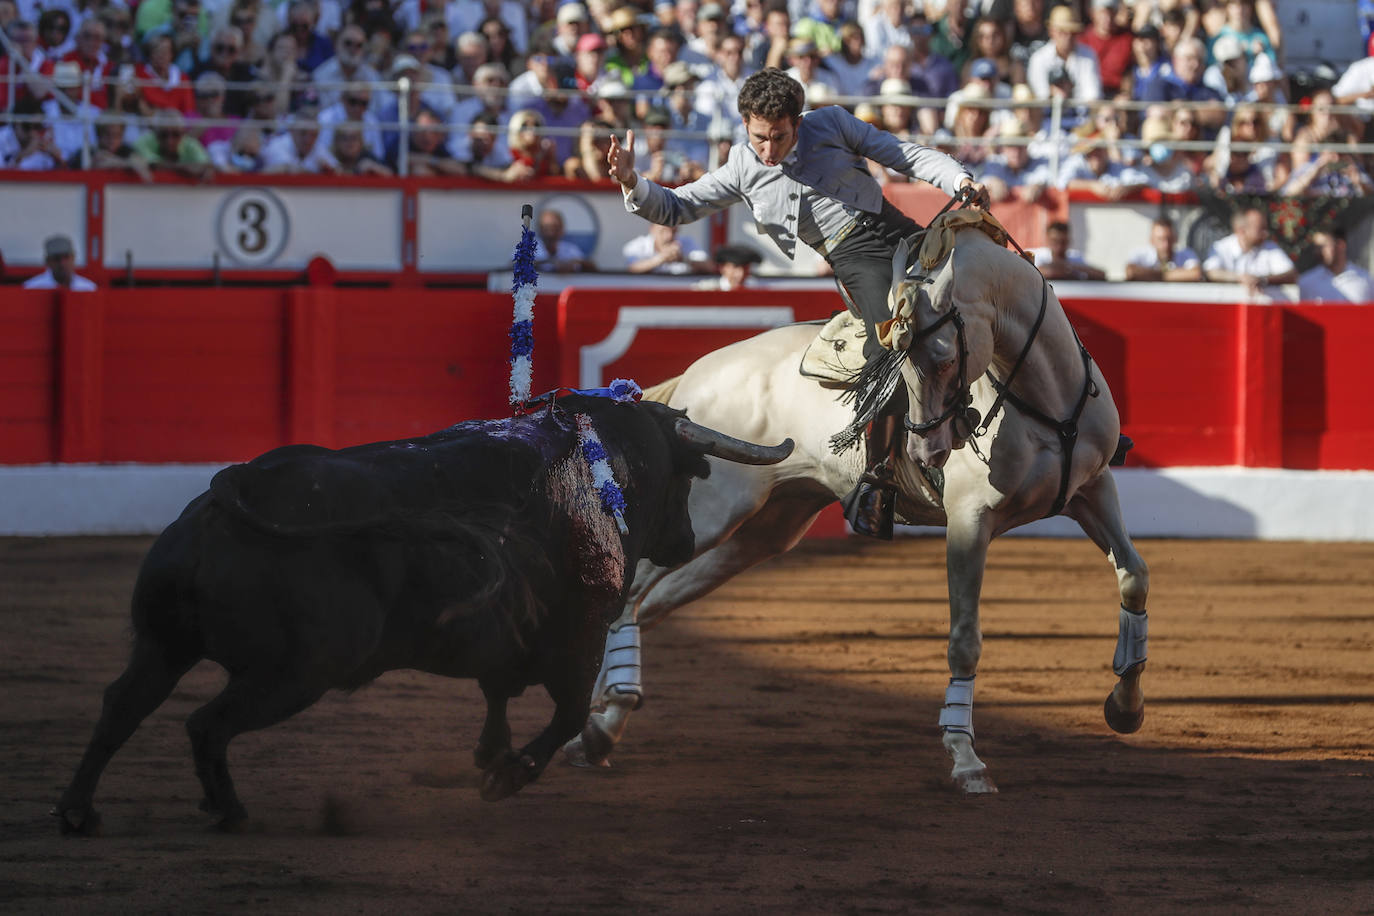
<point>786,761</point>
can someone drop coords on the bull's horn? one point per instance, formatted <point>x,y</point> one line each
<point>710,442</point>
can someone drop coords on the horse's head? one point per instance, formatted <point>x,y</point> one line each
<point>945,354</point>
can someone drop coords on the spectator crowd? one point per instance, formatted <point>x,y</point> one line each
<point>1109,96</point>
<point>1101,96</point>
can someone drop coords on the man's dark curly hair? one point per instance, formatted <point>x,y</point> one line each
<point>771,94</point>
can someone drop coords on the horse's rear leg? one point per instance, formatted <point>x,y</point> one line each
<point>775,529</point>
<point>153,671</point>
<point>966,554</point>
<point>1097,510</point>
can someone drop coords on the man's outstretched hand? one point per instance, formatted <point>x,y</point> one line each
<point>620,161</point>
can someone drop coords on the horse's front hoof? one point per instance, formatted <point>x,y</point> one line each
<point>508,776</point>
<point>77,822</point>
<point>575,755</point>
<point>974,782</point>
<point>1122,721</point>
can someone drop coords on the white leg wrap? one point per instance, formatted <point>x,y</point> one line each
<point>957,713</point>
<point>621,669</point>
<point>1132,641</point>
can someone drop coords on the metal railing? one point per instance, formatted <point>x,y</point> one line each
<point>1058,114</point>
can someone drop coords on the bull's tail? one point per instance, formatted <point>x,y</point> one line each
<point>663,391</point>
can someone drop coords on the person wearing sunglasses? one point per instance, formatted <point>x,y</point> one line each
<point>25,65</point>
<point>437,92</point>
<point>169,147</point>
<point>225,59</point>
<point>161,83</point>
<point>1246,171</point>
<point>353,108</point>
<point>185,21</point>
<point>54,27</point>
<point>89,59</point>
<point>348,65</point>
<point>475,16</point>
<point>312,46</point>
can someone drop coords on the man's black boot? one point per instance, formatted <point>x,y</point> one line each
<point>871,506</point>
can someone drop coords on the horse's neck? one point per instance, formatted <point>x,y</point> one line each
<point>1013,298</point>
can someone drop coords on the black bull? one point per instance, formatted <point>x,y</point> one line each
<point>479,551</point>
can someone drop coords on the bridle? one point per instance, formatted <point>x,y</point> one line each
<point>964,391</point>
<point>961,409</point>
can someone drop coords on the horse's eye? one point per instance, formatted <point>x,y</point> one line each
<point>946,367</point>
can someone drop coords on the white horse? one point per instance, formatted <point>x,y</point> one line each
<point>981,314</point>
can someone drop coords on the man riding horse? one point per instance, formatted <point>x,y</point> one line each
<point>806,179</point>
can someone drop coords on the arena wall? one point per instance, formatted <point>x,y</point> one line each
<point>1250,420</point>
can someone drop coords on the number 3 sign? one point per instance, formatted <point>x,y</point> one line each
<point>252,226</point>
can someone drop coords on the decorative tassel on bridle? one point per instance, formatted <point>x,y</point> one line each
<point>524,288</point>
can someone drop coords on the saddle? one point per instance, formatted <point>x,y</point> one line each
<point>836,357</point>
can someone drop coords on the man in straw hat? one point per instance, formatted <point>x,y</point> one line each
<point>801,179</point>
<point>1064,52</point>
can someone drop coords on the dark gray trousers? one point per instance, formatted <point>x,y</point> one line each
<point>863,263</point>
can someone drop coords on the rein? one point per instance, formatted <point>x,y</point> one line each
<point>1066,430</point>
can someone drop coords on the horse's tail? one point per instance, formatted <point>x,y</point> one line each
<point>663,391</point>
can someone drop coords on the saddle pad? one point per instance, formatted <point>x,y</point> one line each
<point>836,356</point>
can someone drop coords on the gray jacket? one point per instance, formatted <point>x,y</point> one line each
<point>828,161</point>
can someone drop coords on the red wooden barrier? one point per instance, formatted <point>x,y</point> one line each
<point>211,375</point>
<point>179,375</point>
<point>1026,222</point>
<point>664,331</point>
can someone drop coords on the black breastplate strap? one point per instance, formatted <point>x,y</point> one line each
<point>1067,430</point>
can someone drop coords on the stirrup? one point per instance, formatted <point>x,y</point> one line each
<point>1123,445</point>
<point>871,507</point>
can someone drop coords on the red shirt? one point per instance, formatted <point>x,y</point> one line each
<point>102,69</point>
<point>543,161</point>
<point>174,91</point>
<point>1113,57</point>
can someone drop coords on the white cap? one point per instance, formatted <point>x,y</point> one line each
<point>404,62</point>
<point>1227,47</point>
<point>66,75</point>
<point>894,85</point>
<point>612,89</point>
<point>1264,70</point>
<point>572,12</point>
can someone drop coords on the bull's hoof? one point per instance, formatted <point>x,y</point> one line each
<point>1122,721</point>
<point>235,820</point>
<point>974,782</point>
<point>508,776</point>
<point>77,821</point>
<point>485,757</point>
